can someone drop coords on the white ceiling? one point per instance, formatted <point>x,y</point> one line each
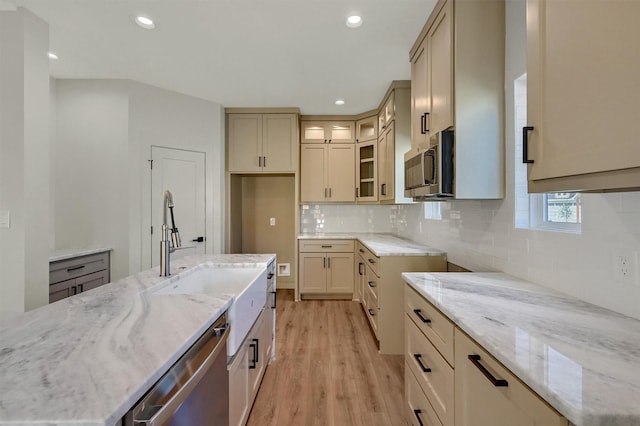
<point>241,53</point>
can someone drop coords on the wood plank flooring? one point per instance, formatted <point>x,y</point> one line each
<point>327,369</point>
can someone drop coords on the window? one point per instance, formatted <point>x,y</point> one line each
<point>560,211</point>
<point>433,210</point>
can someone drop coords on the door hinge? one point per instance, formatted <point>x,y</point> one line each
<point>150,164</point>
<point>151,230</point>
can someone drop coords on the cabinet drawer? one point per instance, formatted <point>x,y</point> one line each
<point>78,266</point>
<point>369,258</point>
<point>431,322</point>
<point>326,246</point>
<point>497,404</point>
<point>419,411</point>
<point>371,282</point>
<point>430,369</point>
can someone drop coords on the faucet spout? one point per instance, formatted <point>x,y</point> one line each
<point>170,240</point>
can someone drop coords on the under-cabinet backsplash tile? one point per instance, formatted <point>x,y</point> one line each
<point>345,218</point>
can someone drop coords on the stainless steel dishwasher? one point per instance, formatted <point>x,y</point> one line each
<point>195,391</point>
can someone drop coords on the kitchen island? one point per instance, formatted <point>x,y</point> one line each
<point>583,360</point>
<point>88,359</point>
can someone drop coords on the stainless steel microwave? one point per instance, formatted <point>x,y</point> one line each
<point>428,173</point>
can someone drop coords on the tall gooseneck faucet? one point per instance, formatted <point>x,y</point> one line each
<point>168,243</point>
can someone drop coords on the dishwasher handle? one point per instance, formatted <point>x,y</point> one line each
<point>150,411</point>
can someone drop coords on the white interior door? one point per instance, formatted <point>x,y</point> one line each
<point>183,173</point>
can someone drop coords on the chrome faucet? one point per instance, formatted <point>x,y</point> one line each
<point>170,241</point>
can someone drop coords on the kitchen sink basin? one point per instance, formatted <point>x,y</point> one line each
<point>247,285</point>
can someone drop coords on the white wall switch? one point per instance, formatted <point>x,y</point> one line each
<point>5,219</point>
<point>272,221</point>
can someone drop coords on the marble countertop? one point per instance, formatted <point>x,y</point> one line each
<point>582,359</point>
<point>381,244</point>
<point>87,359</point>
<point>63,254</point>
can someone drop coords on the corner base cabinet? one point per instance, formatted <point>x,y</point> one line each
<point>381,292</point>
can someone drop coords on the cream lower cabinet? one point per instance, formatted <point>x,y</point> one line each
<point>247,369</point>
<point>451,381</point>
<point>383,296</point>
<point>326,267</point>
<point>327,173</point>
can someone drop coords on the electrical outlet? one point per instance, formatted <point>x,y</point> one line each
<point>625,267</point>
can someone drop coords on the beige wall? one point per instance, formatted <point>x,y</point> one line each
<point>265,197</point>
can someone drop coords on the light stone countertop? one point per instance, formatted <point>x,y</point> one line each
<point>582,359</point>
<point>64,254</point>
<point>381,244</point>
<point>88,359</point>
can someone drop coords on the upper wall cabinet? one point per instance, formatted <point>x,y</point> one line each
<point>262,143</point>
<point>393,141</point>
<point>457,80</point>
<point>582,70</point>
<point>328,132</point>
<point>366,129</point>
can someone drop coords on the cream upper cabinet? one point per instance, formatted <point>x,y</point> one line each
<point>583,106</point>
<point>386,114</point>
<point>265,143</point>
<point>367,171</point>
<point>393,141</point>
<point>366,129</point>
<point>328,132</point>
<point>457,65</point>
<point>440,74</point>
<point>420,105</point>
<point>327,173</point>
<point>386,166</point>
<point>431,80</point>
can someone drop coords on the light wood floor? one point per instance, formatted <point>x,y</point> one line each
<point>327,369</point>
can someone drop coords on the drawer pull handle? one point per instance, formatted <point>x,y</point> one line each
<point>372,261</point>
<point>418,358</point>
<point>417,413</point>
<point>326,246</point>
<point>475,359</point>
<point>371,312</point>
<point>75,268</point>
<point>361,251</point>
<point>418,313</point>
<point>360,265</point>
<point>371,284</point>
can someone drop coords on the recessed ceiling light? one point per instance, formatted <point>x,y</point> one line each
<point>145,22</point>
<point>339,102</point>
<point>354,21</point>
<point>53,55</point>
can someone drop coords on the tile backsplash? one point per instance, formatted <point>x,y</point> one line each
<point>481,236</point>
<point>345,218</point>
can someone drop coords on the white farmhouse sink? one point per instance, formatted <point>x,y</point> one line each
<point>247,285</point>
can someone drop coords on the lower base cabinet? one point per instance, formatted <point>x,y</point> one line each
<point>445,383</point>
<point>479,402</point>
<point>248,367</point>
